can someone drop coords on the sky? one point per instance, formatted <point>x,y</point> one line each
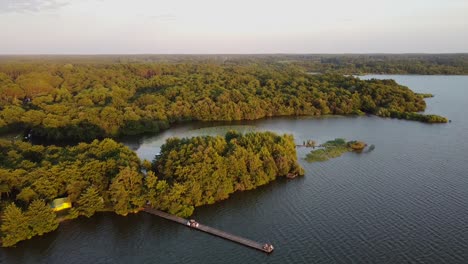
<point>234,26</point>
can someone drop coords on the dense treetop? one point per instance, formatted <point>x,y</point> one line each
<point>31,176</point>
<point>29,172</point>
<point>235,162</point>
<point>87,101</point>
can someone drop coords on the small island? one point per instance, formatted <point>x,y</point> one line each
<point>334,148</point>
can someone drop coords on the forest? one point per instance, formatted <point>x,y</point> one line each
<point>351,64</point>
<point>359,64</point>
<point>90,99</point>
<point>107,176</point>
<point>82,102</point>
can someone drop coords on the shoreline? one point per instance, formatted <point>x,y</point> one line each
<point>121,138</point>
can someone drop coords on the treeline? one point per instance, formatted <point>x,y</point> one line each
<point>412,116</point>
<point>105,175</point>
<point>323,63</point>
<point>84,102</point>
<point>425,64</point>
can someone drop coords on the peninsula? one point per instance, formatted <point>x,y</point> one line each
<point>83,102</point>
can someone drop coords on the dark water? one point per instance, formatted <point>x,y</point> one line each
<point>404,202</point>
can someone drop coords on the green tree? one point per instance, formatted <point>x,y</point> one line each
<point>90,202</point>
<point>151,184</point>
<point>26,195</point>
<point>14,225</point>
<point>41,218</point>
<point>126,191</point>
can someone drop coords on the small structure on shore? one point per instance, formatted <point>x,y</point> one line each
<point>192,223</point>
<point>268,248</point>
<point>60,204</point>
<point>308,144</point>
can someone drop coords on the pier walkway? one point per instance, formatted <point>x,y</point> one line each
<point>268,248</point>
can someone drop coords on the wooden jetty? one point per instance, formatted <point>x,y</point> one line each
<point>265,247</point>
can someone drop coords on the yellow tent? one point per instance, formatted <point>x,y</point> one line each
<point>60,204</point>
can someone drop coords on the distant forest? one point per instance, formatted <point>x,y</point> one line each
<point>424,64</point>
<point>84,98</point>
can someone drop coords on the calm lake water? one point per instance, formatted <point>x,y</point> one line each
<point>404,202</point>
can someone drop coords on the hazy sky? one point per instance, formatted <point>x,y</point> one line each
<point>236,26</point>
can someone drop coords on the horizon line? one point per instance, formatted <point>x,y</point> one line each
<point>207,54</point>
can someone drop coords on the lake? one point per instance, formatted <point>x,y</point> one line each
<point>404,202</point>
